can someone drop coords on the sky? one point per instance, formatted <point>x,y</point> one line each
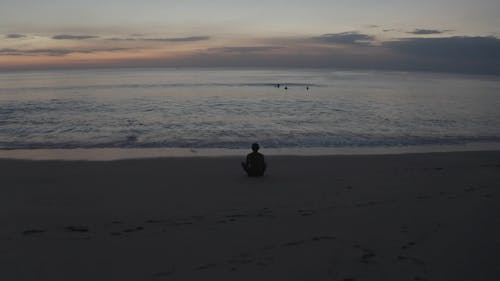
<point>439,35</point>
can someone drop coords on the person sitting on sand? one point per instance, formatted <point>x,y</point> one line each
<point>255,166</point>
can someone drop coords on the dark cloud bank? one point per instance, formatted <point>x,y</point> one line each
<point>473,55</point>
<point>427,31</point>
<point>73,37</point>
<point>245,49</point>
<point>173,39</point>
<point>344,38</point>
<point>54,52</point>
<point>466,48</point>
<point>451,54</point>
<point>15,36</point>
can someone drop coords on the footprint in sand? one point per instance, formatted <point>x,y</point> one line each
<point>300,242</point>
<point>445,193</point>
<point>176,222</point>
<point>246,259</point>
<point>490,166</point>
<point>205,266</point>
<point>294,243</point>
<point>231,218</point>
<point>416,261</point>
<point>187,221</point>
<point>371,203</point>
<point>165,273</point>
<point>241,260</point>
<point>437,227</point>
<point>198,218</point>
<point>404,229</point>
<point>266,261</point>
<point>471,189</point>
<point>265,213</point>
<point>367,255</point>
<point>80,229</point>
<point>236,216</point>
<point>129,230</point>
<point>268,248</point>
<point>408,245</point>
<point>321,238</point>
<point>33,231</point>
<point>306,213</point>
<point>152,221</point>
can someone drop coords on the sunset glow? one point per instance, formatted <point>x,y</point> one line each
<point>54,34</point>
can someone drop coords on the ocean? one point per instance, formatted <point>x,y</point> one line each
<point>232,108</point>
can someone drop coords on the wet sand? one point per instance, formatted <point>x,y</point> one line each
<point>381,217</point>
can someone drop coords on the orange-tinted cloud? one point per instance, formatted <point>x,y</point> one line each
<point>336,50</point>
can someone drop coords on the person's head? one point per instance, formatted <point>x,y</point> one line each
<point>255,147</point>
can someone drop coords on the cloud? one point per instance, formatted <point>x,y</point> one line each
<point>474,55</point>
<point>427,31</point>
<point>346,38</point>
<point>54,52</point>
<point>448,54</point>
<point>462,54</point>
<point>179,39</point>
<point>245,49</point>
<point>7,51</point>
<point>172,39</point>
<point>14,36</point>
<point>458,47</point>
<point>48,52</point>
<point>73,37</point>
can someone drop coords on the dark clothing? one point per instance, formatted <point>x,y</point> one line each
<point>255,166</point>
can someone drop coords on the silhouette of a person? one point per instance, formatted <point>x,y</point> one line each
<point>255,166</point>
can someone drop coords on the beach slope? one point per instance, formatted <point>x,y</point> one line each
<point>380,217</point>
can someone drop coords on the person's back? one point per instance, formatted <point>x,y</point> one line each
<point>255,166</point>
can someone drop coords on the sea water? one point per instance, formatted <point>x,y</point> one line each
<point>232,108</point>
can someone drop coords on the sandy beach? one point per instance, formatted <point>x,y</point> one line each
<point>415,217</point>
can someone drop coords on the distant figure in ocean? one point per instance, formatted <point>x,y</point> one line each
<point>255,166</point>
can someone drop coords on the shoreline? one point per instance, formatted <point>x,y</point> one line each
<point>109,154</point>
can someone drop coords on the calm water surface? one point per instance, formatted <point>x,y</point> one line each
<point>231,108</point>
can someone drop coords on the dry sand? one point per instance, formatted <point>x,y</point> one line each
<point>394,217</point>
